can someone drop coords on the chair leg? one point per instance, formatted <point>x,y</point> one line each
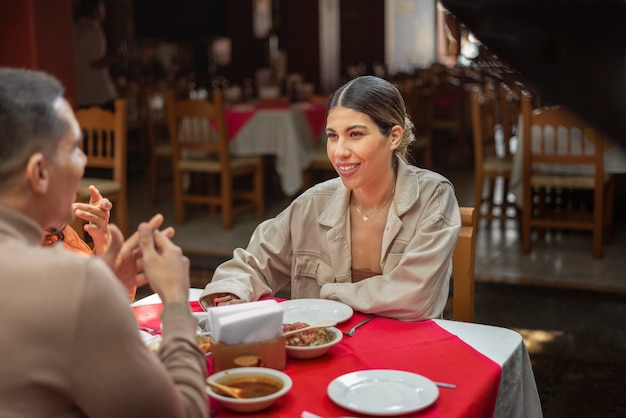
<point>478,194</point>
<point>121,214</point>
<point>259,196</point>
<point>227,202</point>
<point>154,195</point>
<point>598,222</point>
<point>179,206</point>
<point>527,210</point>
<point>491,195</point>
<point>609,196</point>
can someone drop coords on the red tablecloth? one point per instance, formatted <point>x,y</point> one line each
<point>237,116</point>
<point>419,347</point>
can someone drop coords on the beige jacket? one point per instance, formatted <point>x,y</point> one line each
<point>309,244</point>
<point>70,346</point>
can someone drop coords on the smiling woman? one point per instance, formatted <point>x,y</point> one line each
<point>322,243</point>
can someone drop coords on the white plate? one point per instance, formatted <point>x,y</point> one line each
<point>383,392</point>
<point>312,311</point>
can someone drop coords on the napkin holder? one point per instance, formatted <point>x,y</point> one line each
<point>271,353</point>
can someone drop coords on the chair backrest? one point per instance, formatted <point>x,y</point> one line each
<point>463,268</point>
<point>483,125</point>
<point>556,136</point>
<point>104,139</point>
<point>197,126</point>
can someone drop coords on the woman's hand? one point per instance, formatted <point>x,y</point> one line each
<point>97,213</point>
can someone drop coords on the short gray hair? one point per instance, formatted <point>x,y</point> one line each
<point>29,122</point>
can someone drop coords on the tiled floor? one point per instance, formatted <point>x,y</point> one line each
<point>569,307</point>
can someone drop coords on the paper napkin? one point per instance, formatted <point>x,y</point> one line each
<point>246,322</point>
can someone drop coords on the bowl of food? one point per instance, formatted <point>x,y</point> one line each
<point>203,339</point>
<point>310,343</point>
<point>259,387</point>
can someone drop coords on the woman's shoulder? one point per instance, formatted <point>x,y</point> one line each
<point>422,177</point>
<point>325,188</point>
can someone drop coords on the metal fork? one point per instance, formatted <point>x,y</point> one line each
<point>351,331</point>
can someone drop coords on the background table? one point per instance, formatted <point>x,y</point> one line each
<point>291,133</point>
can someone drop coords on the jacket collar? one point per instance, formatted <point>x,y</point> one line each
<point>407,192</point>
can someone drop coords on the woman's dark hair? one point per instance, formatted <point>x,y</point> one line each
<point>29,121</point>
<point>381,101</point>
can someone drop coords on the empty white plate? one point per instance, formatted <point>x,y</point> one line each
<point>383,392</point>
<point>312,311</point>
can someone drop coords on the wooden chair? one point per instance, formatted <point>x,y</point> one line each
<point>200,150</point>
<point>559,140</point>
<point>463,268</point>
<point>104,143</point>
<point>492,158</point>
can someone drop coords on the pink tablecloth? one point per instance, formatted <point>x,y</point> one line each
<point>237,116</point>
<point>419,347</point>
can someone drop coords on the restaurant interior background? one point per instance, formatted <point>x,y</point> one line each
<point>191,44</point>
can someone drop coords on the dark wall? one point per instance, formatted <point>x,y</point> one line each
<point>248,52</point>
<point>179,19</point>
<point>300,35</point>
<point>362,32</point>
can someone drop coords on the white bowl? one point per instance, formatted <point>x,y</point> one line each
<point>312,351</point>
<point>249,404</point>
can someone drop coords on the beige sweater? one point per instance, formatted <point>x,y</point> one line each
<point>70,345</point>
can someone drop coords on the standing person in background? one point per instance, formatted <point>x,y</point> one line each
<point>94,84</point>
<point>71,345</point>
<point>378,238</point>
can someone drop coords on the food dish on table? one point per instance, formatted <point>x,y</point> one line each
<point>313,311</point>
<point>253,376</point>
<point>154,341</point>
<point>383,392</point>
<point>311,343</point>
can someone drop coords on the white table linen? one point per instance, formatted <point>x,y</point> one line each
<point>284,133</point>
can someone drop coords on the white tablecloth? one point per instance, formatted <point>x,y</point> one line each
<point>284,133</point>
<point>517,395</point>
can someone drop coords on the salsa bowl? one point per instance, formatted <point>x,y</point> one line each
<point>262,387</point>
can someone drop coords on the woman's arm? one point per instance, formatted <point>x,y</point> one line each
<point>261,269</point>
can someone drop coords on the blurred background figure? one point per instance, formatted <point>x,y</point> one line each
<point>94,84</point>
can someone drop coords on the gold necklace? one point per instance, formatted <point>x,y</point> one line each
<point>367,215</point>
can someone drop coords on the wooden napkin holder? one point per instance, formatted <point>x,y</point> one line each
<point>271,353</point>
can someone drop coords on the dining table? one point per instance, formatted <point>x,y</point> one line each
<point>291,132</point>
<point>489,367</point>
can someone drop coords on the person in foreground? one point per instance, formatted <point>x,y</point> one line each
<point>378,238</point>
<point>70,340</point>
